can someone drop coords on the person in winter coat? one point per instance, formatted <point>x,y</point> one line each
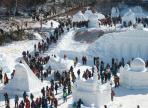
<point>21,105</point>
<point>79,103</point>
<point>31,97</point>
<point>116,81</point>
<point>138,106</point>
<point>27,103</point>
<point>65,96</point>
<point>78,72</point>
<point>7,106</point>
<point>55,103</point>
<point>38,102</point>
<point>83,60</point>
<point>12,74</point>
<point>24,95</point>
<point>46,103</point>
<point>112,95</point>
<point>105,106</point>
<point>6,80</point>
<point>74,105</point>
<point>43,102</point>
<point>56,88</point>
<point>16,101</point>
<point>6,98</point>
<point>1,76</point>
<point>33,104</point>
<point>69,88</point>
<point>43,91</point>
<point>65,56</point>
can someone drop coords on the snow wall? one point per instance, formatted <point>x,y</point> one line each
<point>128,44</point>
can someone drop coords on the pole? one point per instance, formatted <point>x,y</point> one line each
<point>15,7</point>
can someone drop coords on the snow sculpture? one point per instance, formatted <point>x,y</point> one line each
<point>93,18</point>
<point>91,92</point>
<point>78,17</point>
<point>88,16</point>
<point>115,12</point>
<point>100,16</point>
<point>138,65</point>
<point>24,80</point>
<point>139,12</point>
<point>135,76</point>
<point>129,17</point>
<point>126,67</point>
<point>88,13</point>
<point>93,21</point>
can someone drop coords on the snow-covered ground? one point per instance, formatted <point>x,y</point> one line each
<point>124,98</point>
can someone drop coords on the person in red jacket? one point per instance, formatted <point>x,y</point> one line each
<point>6,80</point>
<point>27,103</point>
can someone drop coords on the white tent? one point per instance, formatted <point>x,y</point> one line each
<point>129,17</point>
<point>115,12</point>
<point>78,17</point>
<point>24,80</point>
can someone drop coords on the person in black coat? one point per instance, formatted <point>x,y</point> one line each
<point>56,88</point>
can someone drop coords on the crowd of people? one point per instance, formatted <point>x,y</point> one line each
<point>63,80</point>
